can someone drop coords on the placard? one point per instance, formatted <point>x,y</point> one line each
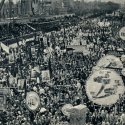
<point>32,101</point>
<point>45,76</point>
<point>20,84</point>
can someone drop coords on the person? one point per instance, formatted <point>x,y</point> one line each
<point>123,118</point>
<point>118,122</point>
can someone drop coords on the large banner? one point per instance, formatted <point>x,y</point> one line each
<point>104,87</point>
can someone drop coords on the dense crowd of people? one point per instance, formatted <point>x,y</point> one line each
<point>15,29</point>
<point>21,71</point>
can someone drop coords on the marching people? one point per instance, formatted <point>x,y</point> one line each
<point>68,70</point>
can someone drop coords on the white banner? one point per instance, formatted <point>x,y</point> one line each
<point>104,87</point>
<point>5,48</point>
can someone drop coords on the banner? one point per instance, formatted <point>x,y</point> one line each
<point>12,81</point>
<point>32,101</point>
<point>5,48</point>
<point>104,87</point>
<point>79,49</point>
<point>21,84</point>
<point>110,61</point>
<point>34,72</point>
<point>45,76</point>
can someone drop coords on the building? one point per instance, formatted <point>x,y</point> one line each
<point>46,7</point>
<point>68,3</point>
<point>62,6</point>
<point>26,7</point>
<point>7,10</point>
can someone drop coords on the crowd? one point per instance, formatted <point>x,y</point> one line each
<point>68,71</point>
<point>15,29</point>
<point>9,31</point>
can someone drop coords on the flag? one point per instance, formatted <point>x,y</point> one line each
<point>5,48</point>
